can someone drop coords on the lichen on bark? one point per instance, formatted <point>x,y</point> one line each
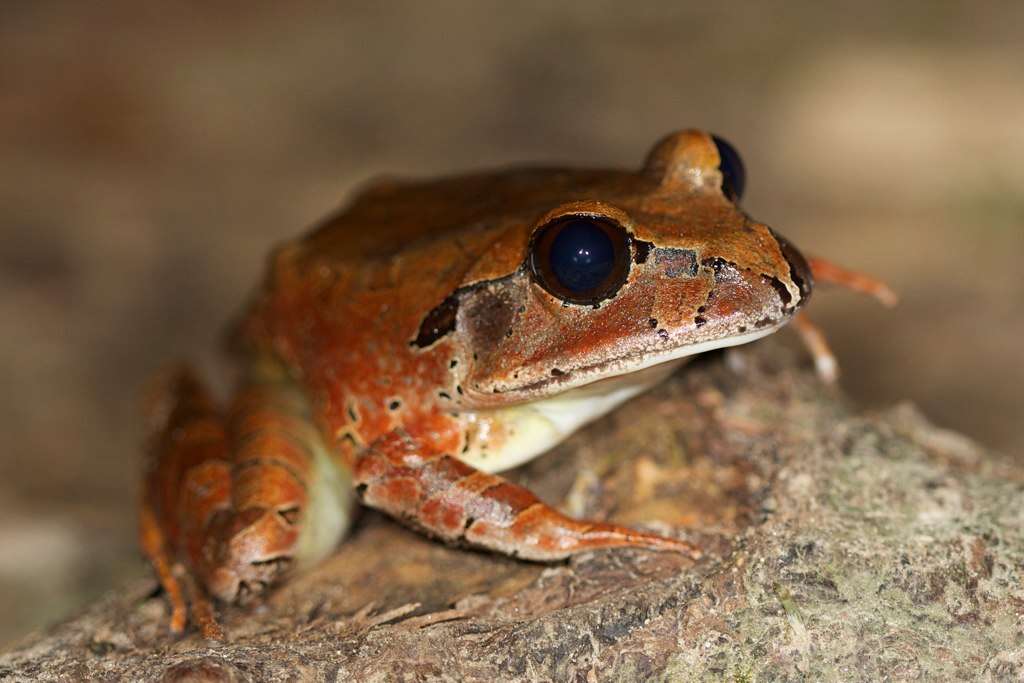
<point>841,546</point>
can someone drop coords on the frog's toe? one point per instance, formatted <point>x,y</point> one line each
<point>256,554</point>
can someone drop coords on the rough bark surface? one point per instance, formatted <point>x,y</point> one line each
<point>841,546</point>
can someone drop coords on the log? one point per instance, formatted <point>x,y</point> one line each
<point>841,545</point>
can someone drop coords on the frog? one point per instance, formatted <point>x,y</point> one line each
<point>435,333</point>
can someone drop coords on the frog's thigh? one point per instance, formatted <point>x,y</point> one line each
<point>231,502</point>
<point>290,501</point>
<point>458,503</point>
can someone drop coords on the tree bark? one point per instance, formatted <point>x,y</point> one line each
<point>840,546</point>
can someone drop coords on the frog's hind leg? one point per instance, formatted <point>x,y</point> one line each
<point>290,502</point>
<point>186,485</point>
<point>234,501</point>
<point>454,501</point>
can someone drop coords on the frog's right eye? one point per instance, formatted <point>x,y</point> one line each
<point>580,259</point>
<point>734,176</point>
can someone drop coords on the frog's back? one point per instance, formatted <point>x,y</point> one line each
<point>392,217</point>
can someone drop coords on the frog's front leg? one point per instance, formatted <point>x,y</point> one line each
<point>233,501</point>
<point>452,500</point>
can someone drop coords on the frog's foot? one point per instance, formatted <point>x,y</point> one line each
<point>227,499</point>
<point>459,504</point>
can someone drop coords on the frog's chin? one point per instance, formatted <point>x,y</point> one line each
<point>534,426</point>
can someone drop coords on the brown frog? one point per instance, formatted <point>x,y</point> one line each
<point>437,332</point>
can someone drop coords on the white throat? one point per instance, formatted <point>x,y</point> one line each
<point>510,436</point>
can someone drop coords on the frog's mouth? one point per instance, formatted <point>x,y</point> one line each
<point>633,366</point>
<point>551,410</point>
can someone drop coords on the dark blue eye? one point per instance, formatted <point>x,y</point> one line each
<point>582,255</point>
<point>581,259</point>
<point>734,176</point>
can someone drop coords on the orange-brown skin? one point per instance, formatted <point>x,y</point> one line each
<point>396,328</point>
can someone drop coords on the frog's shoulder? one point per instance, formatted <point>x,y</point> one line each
<point>390,215</point>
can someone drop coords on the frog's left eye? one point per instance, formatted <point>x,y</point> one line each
<point>580,259</point>
<point>734,176</point>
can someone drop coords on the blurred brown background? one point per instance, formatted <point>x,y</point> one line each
<point>150,156</point>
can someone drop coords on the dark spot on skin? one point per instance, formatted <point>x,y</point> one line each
<point>555,372</point>
<point>453,363</point>
<point>742,329</point>
<point>652,322</point>
<point>641,250</point>
<point>488,314</point>
<point>677,262</point>
<point>475,356</point>
<point>458,388</point>
<point>496,390</point>
<point>763,322</point>
<point>361,490</point>
<point>469,523</point>
<point>717,264</point>
<point>701,309</point>
<point>663,333</point>
<point>779,287</point>
<point>438,323</point>
<point>700,321</point>
<point>445,395</point>
<point>394,405</point>
<point>521,309</point>
<point>352,414</point>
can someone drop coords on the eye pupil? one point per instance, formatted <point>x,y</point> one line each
<point>734,176</point>
<point>581,259</point>
<point>582,255</point>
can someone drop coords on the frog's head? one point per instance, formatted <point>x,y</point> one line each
<point>629,272</point>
